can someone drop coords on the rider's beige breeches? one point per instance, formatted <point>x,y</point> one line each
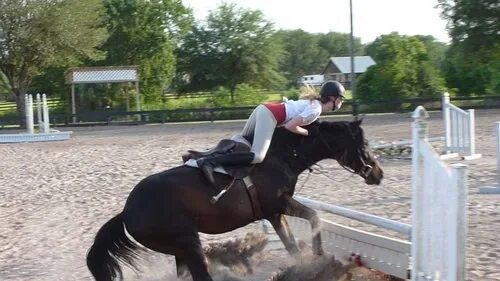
<point>261,124</point>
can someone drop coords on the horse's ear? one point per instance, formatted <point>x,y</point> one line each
<point>357,122</point>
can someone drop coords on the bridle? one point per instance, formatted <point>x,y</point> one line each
<point>364,171</point>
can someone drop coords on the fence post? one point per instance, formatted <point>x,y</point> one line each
<point>498,151</point>
<point>28,104</point>
<point>45,109</point>
<point>457,259</point>
<point>419,133</point>
<point>472,132</point>
<point>39,112</point>
<point>447,121</point>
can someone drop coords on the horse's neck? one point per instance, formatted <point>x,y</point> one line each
<point>300,157</point>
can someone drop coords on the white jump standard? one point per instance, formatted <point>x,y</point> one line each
<point>435,245</point>
<point>43,124</point>
<point>459,131</point>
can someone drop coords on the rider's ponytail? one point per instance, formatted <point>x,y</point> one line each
<point>308,92</point>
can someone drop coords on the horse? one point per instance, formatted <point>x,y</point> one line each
<point>166,211</point>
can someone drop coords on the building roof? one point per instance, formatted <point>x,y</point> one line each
<point>361,63</point>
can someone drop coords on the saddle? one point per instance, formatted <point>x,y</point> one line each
<point>225,146</point>
<point>240,173</point>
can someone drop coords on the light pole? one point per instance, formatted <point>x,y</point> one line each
<point>353,77</point>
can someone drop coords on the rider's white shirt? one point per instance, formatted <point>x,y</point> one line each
<point>309,110</point>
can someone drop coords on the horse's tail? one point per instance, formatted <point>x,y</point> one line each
<point>111,244</point>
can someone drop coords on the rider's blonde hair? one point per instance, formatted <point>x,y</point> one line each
<point>308,92</point>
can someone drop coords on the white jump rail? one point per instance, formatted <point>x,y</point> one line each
<point>459,130</point>
<point>437,234</point>
<point>43,124</point>
<point>389,255</point>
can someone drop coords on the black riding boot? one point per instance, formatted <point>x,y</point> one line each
<point>208,164</point>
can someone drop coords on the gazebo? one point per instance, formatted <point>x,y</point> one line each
<point>106,74</point>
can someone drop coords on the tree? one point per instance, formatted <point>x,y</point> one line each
<point>403,70</point>
<point>436,51</point>
<point>303,56</point>
<point>145,33</point>
<point>235,46</point>
<point>339,44</point>
<point>472,65</point>
<point>308,53</point>
<point>38,34</point>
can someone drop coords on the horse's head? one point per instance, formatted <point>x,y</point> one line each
<point>345,142</point>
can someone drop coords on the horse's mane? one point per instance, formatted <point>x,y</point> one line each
<point>284,137</point>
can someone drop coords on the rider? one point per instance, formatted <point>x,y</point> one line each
<point>266,117</point>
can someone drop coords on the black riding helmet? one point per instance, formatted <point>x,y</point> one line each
<point>331,89</point>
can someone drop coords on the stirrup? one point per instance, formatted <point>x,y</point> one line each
<point>216,198</point>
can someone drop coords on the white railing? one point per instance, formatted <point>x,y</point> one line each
<point>400,227</point>
<point>438,210</point>
<point>437,234</point>
<point>459,129</point>
<point>42,111</point>
<point>386,254</point>
<point>45,133</point>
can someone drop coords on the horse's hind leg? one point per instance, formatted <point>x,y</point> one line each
<point>296,209</point>
<point>281,227</point>
<point>195,261</point>
<point>182,268</point>
<point>190,253</point>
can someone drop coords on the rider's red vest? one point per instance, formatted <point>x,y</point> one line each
<point>278,110</point>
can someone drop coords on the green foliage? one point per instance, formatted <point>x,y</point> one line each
<point>436,51</point>
<point>308,53</point>
<point>145,33</point>
<point>35,35</point>
<point>472,66</point>
<point>244,95</point>
<point>234,47</point>
<point>303,55</point>
<point>339,44</point>
<point>52,82</point>
<point>475,23</point>
<point>403,70</point>
<point>473,73</point>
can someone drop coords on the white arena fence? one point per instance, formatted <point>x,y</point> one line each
<point>497,130</point>
<point>45,134</point>
<point>459,135</point>
<point>494,189</point>
<point>459,129</point>
<point>435,249</point>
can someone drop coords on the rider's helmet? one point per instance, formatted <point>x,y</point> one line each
<point>331,89</point>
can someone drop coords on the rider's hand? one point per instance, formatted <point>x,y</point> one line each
<point>313,131</point>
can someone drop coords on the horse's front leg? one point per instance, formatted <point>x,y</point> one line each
<point>296,209</point>
<point>281,227</point>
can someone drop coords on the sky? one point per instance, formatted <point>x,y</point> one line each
<point>372,18</point>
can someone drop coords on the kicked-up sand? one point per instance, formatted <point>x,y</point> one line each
<point>55,196</point>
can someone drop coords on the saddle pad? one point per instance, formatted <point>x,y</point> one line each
<point>192,163</point>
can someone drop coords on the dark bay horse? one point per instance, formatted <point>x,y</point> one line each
<point>166,211</point>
